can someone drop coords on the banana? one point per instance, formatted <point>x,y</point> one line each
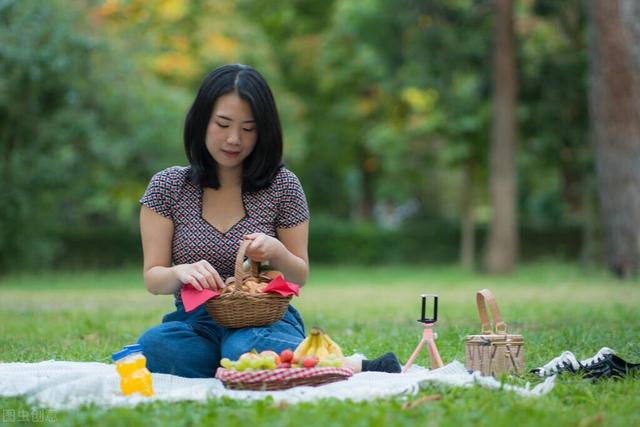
<point>322,351</point>
<point>318,348</point>
<point>313,344</point>
<point>316,331</point>
<point>327,345</point>
<point>318,344</point>
<point>312,347</point>
<point>332,347</point>
<point>303,347</point>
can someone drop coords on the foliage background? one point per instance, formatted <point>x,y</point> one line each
<point>385,108</point>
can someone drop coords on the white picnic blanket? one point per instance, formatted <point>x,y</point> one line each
<point>68,385</point>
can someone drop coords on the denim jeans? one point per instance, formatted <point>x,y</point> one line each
<point>192,344</point>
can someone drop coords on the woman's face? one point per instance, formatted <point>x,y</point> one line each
<point>232,132</point>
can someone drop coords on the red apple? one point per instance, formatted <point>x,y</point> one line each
<point>286,356</point>
<point>284,365</point>
<point>310,361</point>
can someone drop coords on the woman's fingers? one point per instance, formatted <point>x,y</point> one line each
<point>256,249</point>
<point>201,279</point>
<point>191,279</point>
<point>207,277</point>
<point>219,282</point>
<point>256,239</point>
<point>212,275</point>
<point>263,247</point>
<point>201,275</point>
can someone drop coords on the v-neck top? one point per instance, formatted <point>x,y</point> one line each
<point>171,194</point>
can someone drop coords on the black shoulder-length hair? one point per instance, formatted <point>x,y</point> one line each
<point>262,165</point>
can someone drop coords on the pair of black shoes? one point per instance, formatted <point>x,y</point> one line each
<point>604,364</point>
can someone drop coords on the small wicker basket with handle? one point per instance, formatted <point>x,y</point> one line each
<point>242,308</point>
<point>493,353</point>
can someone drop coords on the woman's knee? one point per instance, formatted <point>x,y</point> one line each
<point>157,341</point>
<point>174,348</point>
<point>157,337</point>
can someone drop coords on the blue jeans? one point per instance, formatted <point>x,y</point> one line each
<point>192,344</point>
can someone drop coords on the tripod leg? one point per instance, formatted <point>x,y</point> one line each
<point>434,355</point>
<point>413,356</point>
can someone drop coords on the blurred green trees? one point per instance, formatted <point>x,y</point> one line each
<point>385,105</point>
<point>81,128</point>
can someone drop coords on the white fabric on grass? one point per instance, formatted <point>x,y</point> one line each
<point>68,385</point>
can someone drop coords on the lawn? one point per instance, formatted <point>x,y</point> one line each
<point>88,315</point>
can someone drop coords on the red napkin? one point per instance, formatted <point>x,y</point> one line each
<point>193,298</point>
<point>282,287</point>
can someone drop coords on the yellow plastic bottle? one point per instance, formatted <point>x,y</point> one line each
<point>132,367</point>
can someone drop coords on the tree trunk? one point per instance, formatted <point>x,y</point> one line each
<point>468,240</point>
<point>502,244</point>
<point>615,126</point>
<point>591,250</point>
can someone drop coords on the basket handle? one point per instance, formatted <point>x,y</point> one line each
<point>255,266</point>
<point>484,297</point>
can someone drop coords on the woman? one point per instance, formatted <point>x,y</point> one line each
<point>193,219</point>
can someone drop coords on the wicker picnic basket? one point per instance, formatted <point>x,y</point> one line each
<point>241,308</point>
<point>281,378</point>
<point>493,353</point>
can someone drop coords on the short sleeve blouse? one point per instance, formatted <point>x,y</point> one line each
<point>171,194</point>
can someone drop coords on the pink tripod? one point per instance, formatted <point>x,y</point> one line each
<point>428,336</point>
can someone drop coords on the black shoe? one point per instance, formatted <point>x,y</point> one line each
<point>388,362</point>
<point>566,362</point>
<point>610,366</point>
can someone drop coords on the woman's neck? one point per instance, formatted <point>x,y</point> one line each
<point>230,178</point>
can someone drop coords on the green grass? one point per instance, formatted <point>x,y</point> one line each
<point>88,315</point>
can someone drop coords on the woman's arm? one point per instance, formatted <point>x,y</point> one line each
<point>160,277</point>
<point>288,253</point>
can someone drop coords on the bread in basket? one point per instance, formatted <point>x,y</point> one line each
<point>242,303</point>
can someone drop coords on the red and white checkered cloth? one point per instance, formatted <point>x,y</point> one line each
<point>291,376</point>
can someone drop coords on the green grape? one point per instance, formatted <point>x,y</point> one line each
<point>269,362</point>
<point>257,363</point>
<point>226,363</point>
<point>242,365</point>
<point>325,361</point>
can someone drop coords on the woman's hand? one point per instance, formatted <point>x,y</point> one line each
<point>263,247</point>
<point>201,275</point>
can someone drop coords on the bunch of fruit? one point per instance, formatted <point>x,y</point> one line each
<point>320,347</point>
<point>315,350</point>
<point>254,361</point>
